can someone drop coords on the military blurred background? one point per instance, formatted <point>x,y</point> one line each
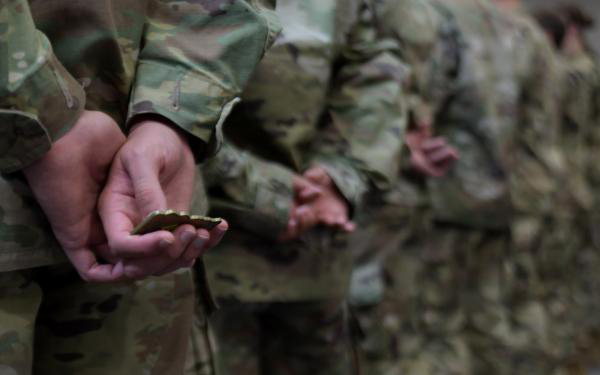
<point>592,6</point>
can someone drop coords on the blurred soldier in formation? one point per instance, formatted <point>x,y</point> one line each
<point>478,305</point>
<point>570,271</point>
<point>73,183</point>
<point>490,210</point>
<point>395,297</point>
<point>584,85</point>
<point>322,122</point>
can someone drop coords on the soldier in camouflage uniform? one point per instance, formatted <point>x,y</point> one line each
<point>583,109</point>
<point>478,309</point>
<point>495,201</point>
<point>393,274</point>
<point>327,100</point>
<point>75,77</point>
<point>571,272</point>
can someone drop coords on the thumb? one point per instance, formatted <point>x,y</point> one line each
<point>144,175</point>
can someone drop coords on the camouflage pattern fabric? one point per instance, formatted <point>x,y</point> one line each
<point>200,356</point>
<point>404,299</point>
<point>349,121</point>
<point>351,124</point>
<point>134,328</point>
<point>481,306</point>
<point>328,93</point>
<point>122,58</point>
<point>593,138</point>
<point>572,279</point>
<point>503,186</point>
<point>183,60</point>
<point>428,43</point>
<point>404,291</point>
<point>591,260</point>
<point>255,339</point>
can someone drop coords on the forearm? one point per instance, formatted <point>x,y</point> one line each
<point>255,191</point>
<point>362,144</point>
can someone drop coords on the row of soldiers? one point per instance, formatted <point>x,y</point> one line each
<point>409,187</point>
<point>470,189</point>
<point>499,275</point>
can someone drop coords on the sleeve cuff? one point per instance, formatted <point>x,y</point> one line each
<point>349,181</point>
<point>274,194</point>
<point>196,103</point>
<point>38,111</point>
<point>257,194</point>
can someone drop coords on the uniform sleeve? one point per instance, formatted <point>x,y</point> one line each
<point>575,133</point>
<point>362,143</point>
<point>593,136</point>
<point>539,165</point>
<point>39,100</point>
<point>195,59</point>
<point>248,191</point>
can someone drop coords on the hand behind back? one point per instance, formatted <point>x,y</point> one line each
<point>317,201</point>
<point>154,170</point>
<point>66,183</point>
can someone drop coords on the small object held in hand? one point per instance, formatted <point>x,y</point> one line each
<point>170,220</point>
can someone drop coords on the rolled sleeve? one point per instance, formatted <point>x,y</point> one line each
<point>255,194</point>
<point>39,100</point>
<point>196,60</point>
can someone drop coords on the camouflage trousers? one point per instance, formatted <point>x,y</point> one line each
<point>417,325</point>
<point>282,304</point>
<point>405,294</point>
<point>589,292</point>
<point>296,338</point>
<point>464,301</point>
<point>51,322</point>
<point>569,266</point>
<point>507,322</point>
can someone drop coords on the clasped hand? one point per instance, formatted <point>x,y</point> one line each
<point>430,156</point>
<point>95,185</point>
<point>317,201</point>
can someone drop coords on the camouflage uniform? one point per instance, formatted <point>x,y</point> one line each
<point>499,195</point>
<point>327,94</point>
<point>571,272</point>
<point>183,60</point>
<point>587,66</point>
<point>476,303</point>
<point>403,323</point>
<point>588,76</point>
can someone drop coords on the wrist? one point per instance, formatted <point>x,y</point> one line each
<point>140,121</point>
<point>154,120</point>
